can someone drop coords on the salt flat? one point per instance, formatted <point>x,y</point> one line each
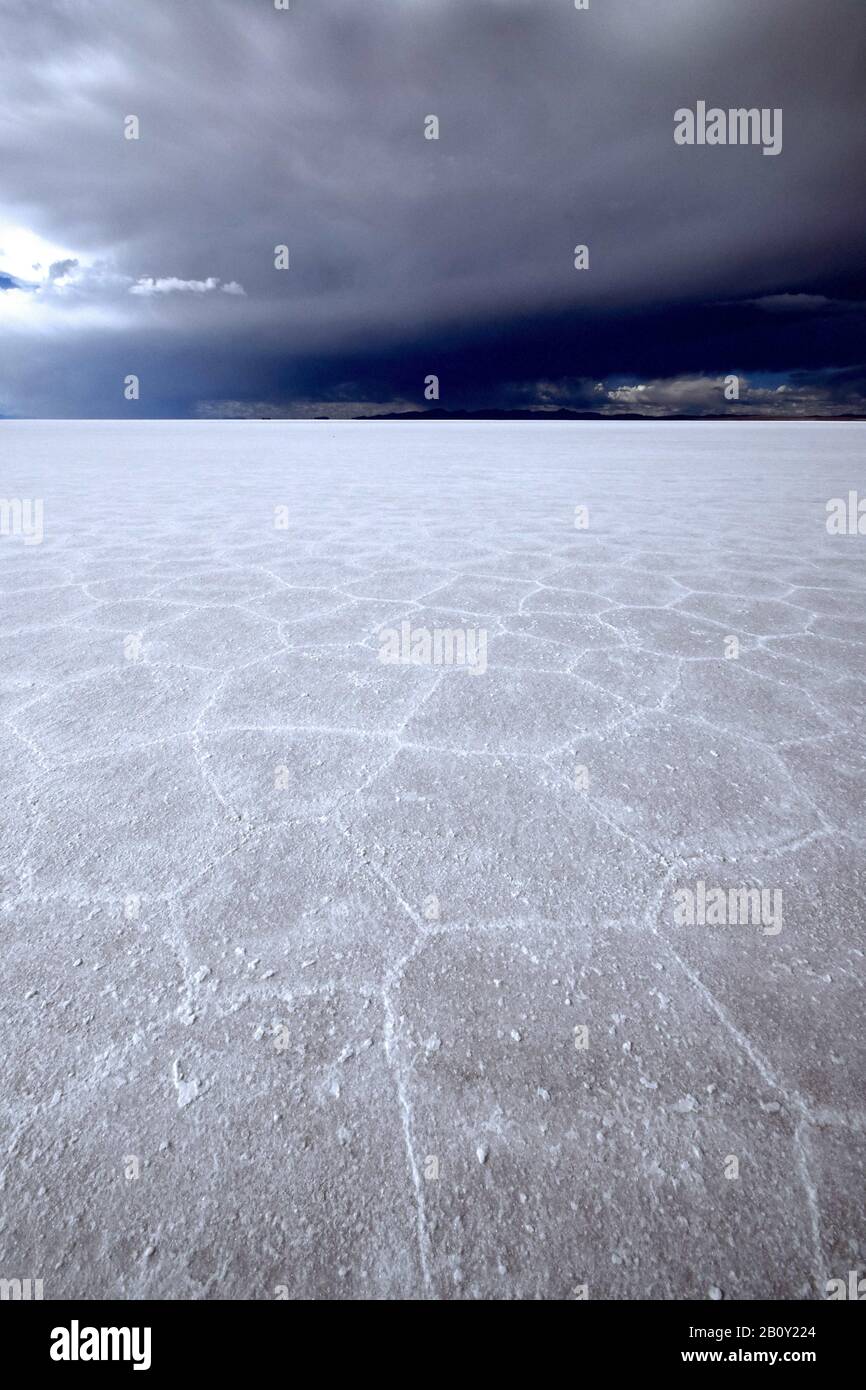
<point>330,977</point>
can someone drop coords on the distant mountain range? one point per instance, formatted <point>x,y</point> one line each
<point>583,415</point>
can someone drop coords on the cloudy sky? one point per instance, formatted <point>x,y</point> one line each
<point>411,257</point>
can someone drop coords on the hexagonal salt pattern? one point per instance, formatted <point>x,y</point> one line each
<point>408,892</point>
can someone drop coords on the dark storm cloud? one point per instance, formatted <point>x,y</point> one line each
<point>260,127</point>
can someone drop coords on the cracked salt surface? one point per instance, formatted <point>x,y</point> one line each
<point>383,993</point>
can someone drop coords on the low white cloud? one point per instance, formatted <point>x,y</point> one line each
<point>696,394</point>
<point>146,286</point>
<point>705,395</point>
<point>672,394</point>
<point>70,292</point>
